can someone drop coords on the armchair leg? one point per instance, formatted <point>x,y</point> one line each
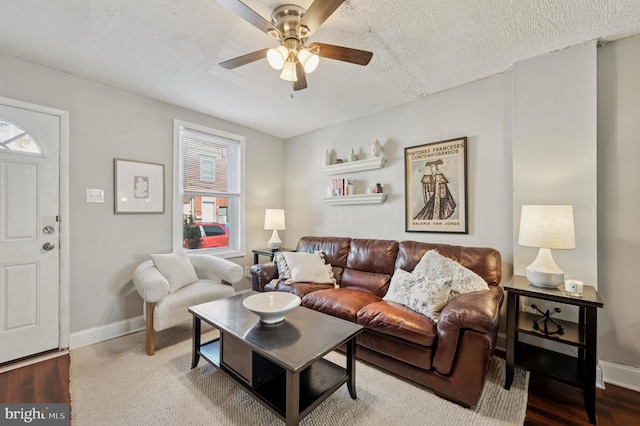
<point>150,338</point>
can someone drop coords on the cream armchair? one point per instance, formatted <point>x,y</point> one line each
<point>165,303</point>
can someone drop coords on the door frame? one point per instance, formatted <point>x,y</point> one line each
<point>63,170</point>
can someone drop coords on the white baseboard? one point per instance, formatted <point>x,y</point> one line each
<point>621,375</point>
<point>106,332</point>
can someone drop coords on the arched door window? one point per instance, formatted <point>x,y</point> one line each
<point>17,140</point>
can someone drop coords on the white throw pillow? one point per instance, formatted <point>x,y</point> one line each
<point>418,293</point>
<point>304,267</point>
<point>433,265</point>
<point>176,268</point>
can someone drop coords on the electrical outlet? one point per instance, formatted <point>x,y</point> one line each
<point>246,272</point>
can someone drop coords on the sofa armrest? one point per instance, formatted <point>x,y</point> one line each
<point>478,311</point>
<point>211,267</point>
<point>150,283</point>
<point>263,274</point>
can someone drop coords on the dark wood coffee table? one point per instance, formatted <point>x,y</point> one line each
<point>282,365</point>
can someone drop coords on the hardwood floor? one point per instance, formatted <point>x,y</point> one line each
<point>550,403</point>
<point>46,382</point>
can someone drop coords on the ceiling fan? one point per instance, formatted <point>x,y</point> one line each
<point>292,25</point>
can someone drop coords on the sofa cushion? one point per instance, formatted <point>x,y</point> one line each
<point>340,302</point>
<point>176,268</point>
<point>299,289</point>
<point>397,320</point>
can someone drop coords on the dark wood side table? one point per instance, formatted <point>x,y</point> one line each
<point>268,252</point>
<point>578,371</point>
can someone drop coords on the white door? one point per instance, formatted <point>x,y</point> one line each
<point>29,242</point>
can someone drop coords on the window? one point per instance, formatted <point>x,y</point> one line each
<point>15,139</point>
<point>208,196</point>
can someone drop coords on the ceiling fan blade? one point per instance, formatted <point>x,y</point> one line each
<point>244,59</point>
<point>318,12</point>
<point>302,78</point>
<point>346,54</point>
<point>249,15</point>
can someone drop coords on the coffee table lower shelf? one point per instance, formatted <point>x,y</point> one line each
<point>317,382</point>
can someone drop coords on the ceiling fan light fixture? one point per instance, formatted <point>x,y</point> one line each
<point>277,57</point>
<point>289,72</point>
<point>308,59</point>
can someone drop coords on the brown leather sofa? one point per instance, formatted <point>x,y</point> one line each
<point>450,356</point>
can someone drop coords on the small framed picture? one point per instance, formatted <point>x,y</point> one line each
<point>138,187</point>
<point>436,187</point>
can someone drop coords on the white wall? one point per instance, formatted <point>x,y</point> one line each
<point>554,150</point>
<point>106,123</point>
<point>619,201</point>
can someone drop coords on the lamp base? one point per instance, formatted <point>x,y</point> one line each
<point>275,241</point>
<point>544,279</point>
<point>543,271</point>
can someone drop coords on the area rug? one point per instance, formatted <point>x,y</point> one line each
<point>116,383</point>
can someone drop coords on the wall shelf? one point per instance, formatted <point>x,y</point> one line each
<point>356,166</point>
<point>355,199</point>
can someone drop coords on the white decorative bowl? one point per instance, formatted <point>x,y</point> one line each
<point>271,306</point>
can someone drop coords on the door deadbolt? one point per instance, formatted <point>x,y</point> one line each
<point>48,246</point>
<point>48,229</point>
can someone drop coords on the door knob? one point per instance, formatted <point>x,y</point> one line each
<point>48,246</point>
<point>48,229</point>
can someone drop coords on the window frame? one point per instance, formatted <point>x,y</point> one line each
<point>236,214</point>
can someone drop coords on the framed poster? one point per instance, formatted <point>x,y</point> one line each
<point>138,187</point>
<point>436,187</point>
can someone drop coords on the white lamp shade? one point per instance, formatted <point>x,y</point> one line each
<point>276,57</point>
<point>289,71</point>
<point>547,226</point>
<point>308,60</point>
<point>274,219</point>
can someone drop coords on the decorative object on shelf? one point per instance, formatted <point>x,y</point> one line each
<point>273,306</point>
<point>274,220</point>
<point>340,187</point>
<point>353,156</point>
<point>371,190</point>
<point>573,287</point>
<point>436,187</point>
<point>546,227</point>
<point>339,161</point>
<point>378,189</point>
<point>376,149</point>
<point>326,159</point>
<point>139,187</point>
<point>546,317</point>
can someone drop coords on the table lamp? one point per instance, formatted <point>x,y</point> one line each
<point>546,227</point>
<point>274,220</point>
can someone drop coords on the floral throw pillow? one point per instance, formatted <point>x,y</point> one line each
<point>433,266</point>
<point>418,293</point>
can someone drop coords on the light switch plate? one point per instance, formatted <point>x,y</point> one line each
<point>95,195</point>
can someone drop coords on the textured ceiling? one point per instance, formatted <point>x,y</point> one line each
<point>170,50</point>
